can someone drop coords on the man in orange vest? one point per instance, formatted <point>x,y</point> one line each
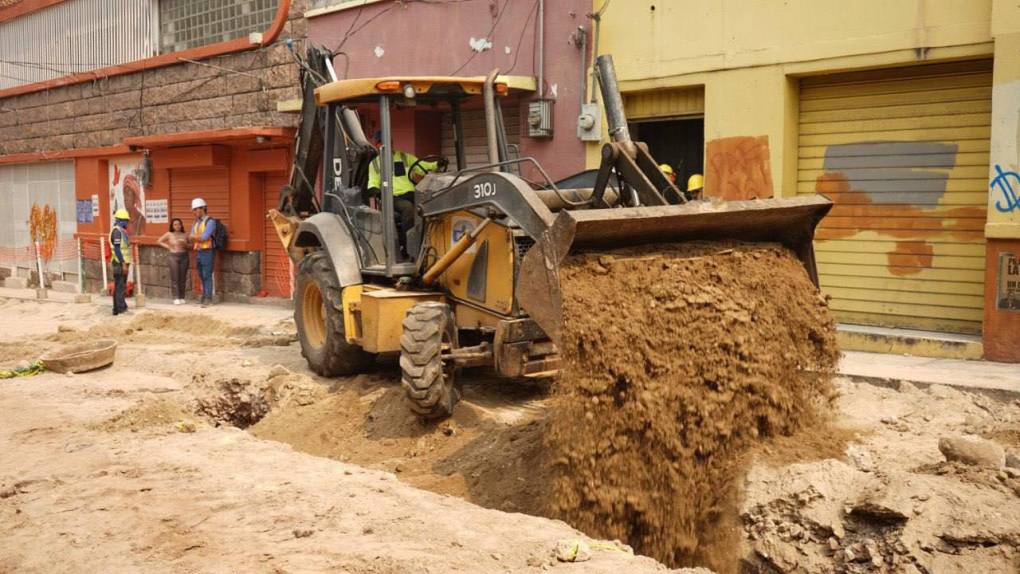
<point>120,259</point>
<point>205,254</point>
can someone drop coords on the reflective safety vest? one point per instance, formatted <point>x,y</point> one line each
<point>402,162</point>
<point>197,230</point>
<point>119,237</point>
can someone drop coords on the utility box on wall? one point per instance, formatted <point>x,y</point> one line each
<point>589,124</point>
<point>540,120</point>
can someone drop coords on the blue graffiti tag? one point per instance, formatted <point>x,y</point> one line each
<point>1001,181</point>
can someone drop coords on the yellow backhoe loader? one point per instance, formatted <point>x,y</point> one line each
<point>481,284</point>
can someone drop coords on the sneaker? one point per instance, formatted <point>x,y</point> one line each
<point>178,301</point>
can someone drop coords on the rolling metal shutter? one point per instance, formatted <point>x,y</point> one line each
<point>275,263</point>
<point>475,147</point>
<point>903,154</point>
<point>210,183</point>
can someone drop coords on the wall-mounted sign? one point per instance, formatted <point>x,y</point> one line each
<point>156,211</point>
<point>95,206</point>
<point>84,209</point>
<point>1009,282</point>
<point>127,191</point>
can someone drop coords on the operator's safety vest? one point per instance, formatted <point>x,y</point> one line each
<point>197,230</point>
<point>401,182</point>
<point>119,237</point>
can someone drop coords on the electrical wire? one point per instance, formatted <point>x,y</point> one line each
<point>488,37</point>
<point>524,29</point>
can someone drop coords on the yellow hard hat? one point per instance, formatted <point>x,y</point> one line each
<point>121,214</point>
<point>664,168</point>
<point>695,182</point>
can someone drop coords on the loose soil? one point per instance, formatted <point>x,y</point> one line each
<point>99,474</point>
<point>679,360</point>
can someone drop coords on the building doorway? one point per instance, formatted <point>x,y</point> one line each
<point>680,143</point>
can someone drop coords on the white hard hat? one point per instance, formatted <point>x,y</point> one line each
<point>197,202</point>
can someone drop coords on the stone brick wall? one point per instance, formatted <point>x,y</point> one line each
<point>238,274</point>
<point>235,90</point>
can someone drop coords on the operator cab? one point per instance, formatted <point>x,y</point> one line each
<point>347,155</point>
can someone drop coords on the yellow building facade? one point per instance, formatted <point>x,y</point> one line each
<point>904,113</point>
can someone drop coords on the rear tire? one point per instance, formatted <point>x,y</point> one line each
<point>320,321</point>
<point>429,384</point>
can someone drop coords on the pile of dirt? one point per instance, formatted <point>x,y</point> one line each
<point>154,327</point>
<point>149,414</point>
<point>677,361</point>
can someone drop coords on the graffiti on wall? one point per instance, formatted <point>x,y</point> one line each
<point>1010,200</point>
<point>894,189</point>
<point>738,168</point>
<point>127,191</point>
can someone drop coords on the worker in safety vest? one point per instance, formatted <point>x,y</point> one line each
<point>403,186</point>
<point>202,241</point>
<point>120,258</point>
<point>695,186</point>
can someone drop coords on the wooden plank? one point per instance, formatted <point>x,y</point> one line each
<point>903,85</point>
<point>953,185</point>
<point>934,274</point>
<point>917,161</point>
<point>933,134</point>
<point>895,296</point>
<point>962,146</point>
<point>944,262</point>
<point>903,224</point>
<point>906,123</point>
<point>966,236</point>
<point>927,108</point>
<point>907,309</point>
<point>975,198</point>
<point>899,174</point>
<point>915,98</point>
<point>897,321</point>
<point>961,249</point>
<point>901,284</point>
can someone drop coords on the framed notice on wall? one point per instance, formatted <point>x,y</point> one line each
<point>1009,282</point>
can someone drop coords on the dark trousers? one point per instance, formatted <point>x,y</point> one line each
<point>119,285</point>
<point>204,260</point>
<point>178,274</point>
<point>403,206</point>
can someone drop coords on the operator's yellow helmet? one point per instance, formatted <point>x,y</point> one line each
<point>695,182</point>
<point>664,168</point>
<point>121,214</point>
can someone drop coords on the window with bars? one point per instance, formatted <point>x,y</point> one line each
<point>187,24</point>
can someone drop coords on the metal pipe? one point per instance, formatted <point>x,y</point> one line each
<point>597,18</point>
<point>453,254</point>
<point>38,261</point>
<point>81,270</point>
<point>613,102</point>
<point>541,48</point>
<point>489,95</point>
<point>102,263</point>
<point>458,134</point>
<point>386,181</point>
<point>584,65</point>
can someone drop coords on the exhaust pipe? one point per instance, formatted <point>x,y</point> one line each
<point>613,102</point>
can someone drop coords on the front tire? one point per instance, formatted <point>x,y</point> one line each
<point>429,384</point>
<point>320,321</point>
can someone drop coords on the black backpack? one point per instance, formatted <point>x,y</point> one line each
<point>219,237</point>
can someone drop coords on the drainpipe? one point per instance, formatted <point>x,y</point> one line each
<point>541,49</point>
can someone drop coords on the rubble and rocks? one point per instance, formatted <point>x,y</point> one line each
<point>973,451</point>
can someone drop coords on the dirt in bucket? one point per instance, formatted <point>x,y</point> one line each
<point>679,360</point>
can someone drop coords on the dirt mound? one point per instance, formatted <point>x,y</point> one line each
<point>148,414</point>
<point>678,360</point>
<point>473,455</point>
<point>173,327</point>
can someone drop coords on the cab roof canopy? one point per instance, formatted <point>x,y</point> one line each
<point>426,88</point>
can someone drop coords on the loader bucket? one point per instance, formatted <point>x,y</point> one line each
<point>790,222</point>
